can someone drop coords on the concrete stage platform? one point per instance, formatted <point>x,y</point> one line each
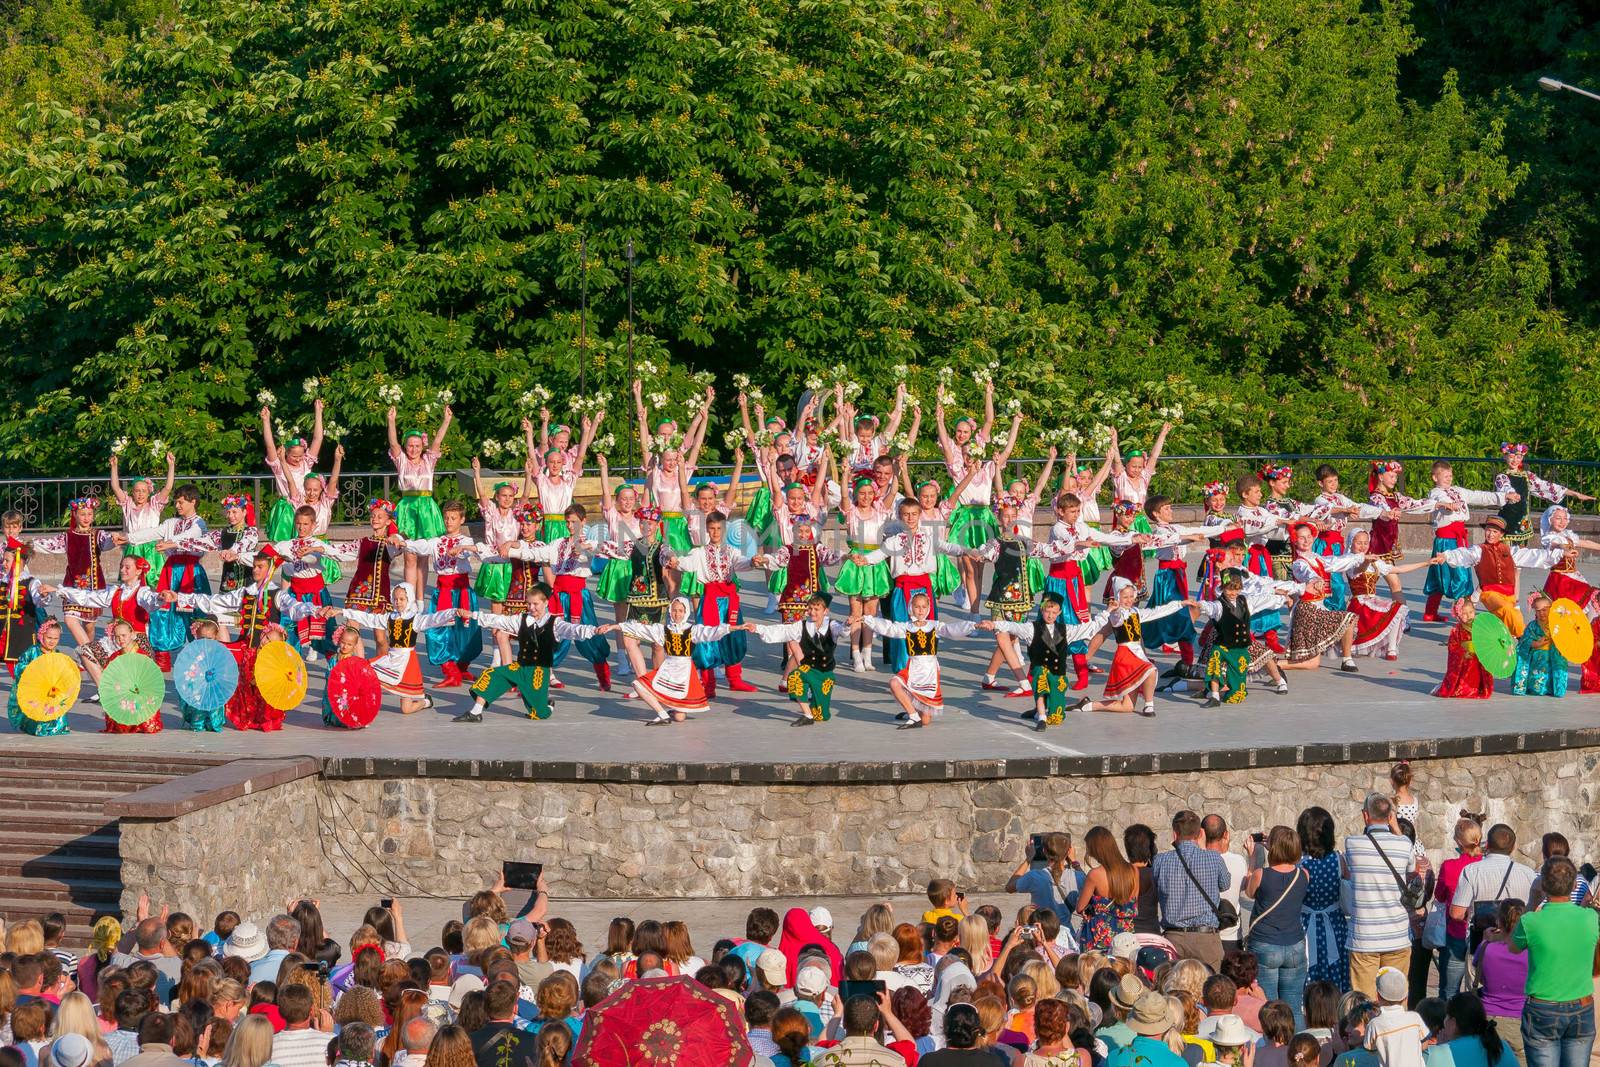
<point>1328,717</point>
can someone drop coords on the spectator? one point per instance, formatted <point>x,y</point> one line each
<point>1221,997</point>
<point>1322,1017</point>
<point>1452,956</point>
<point>1277,1030</point>
<point>416,1035</point>
<point>1559,938</point>
<point>155,1042</point>
<point>132,1006</point>
<point>222,928</point>
<point>1241,968</point>
<point>1550,846</point>
<point>30,1026</point>
<point>557,1000</point>
<point>452,1047</point>
<point>25,938</point>
<point>1231,1037</point>
<point>913,967</point>
<point>1395,1034</point>
<point>810,992</point>
<point>103,940</point>
<point>1327,931</point>
<point>944,899</point>
<point>1305,1051</point>
<point>69,1050</point>
<point>283,934</point>
<point>759,928</point>
<point>1052,1046</point>
<point>1052,885</point>
<point>522,939</point>
<point>28,974</point>
<point>1109,898</point>
<point>1186,1017</point>
<point>798,933</point>
<point>300,1043</point>
<point>1503,975</point>
<point>861,1046</point>
<point>1378,860</point>
<point>916,1015</point>
<point>1190,881</point>
<point>1121,998</point>
<point>247,943</point>
<point>1469,1038</point>
<point>151,945</point>
<point>75,1015</point>
<point>1277,937</point>
<point>1483,885</point>
<point>963,1038</point>
<point>1139,843</point>
<point>1150,1020</point>
<point>759,1009</point>
<point>358,1046</point>
<point>53,928</point>
<point>877,919</point>
<point>1352,1034</point>
<point>250,1045</point>
<point>1219,839</point>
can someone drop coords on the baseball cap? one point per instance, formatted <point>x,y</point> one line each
<point>810,981</point>
<point>772,966</point>
<point>821,918</point>
<point>1393,986</point>
<point>1125,946</point>
<point>522,930</point>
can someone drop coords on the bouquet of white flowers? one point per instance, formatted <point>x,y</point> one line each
<point>266,399</point>
<point>309,387</point>
<point>605,443</point>
<point>446,398</point>
<point>391,394</point>
<point>158,448</point>
<point>119,446</point>
<point>491,447</point>
<point>733,440</point>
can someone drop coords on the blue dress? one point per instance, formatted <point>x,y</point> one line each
<point>1541,670</point>
<point>1327,937</point>
<point>24,724</point>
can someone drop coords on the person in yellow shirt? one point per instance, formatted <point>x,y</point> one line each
<point>946,900</point>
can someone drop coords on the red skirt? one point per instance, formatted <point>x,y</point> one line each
<point>1372,623</point>
<point>1568,585</point>
<point>245,709</point>
<point>1128,672</point>
<point>1591,666</point>
<point>1465,678</point>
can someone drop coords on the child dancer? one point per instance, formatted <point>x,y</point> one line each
<point>48,639</point>
<point>347,645</point>
<point>647,556</point>
<point>716,568</point>
<point>397,669</point>
<point>1050,643</point>
<point>141,513</point>
<point>1314,628</point>
<point>1541,668</point>
<point>183,543</point>
<point>1383,491</point>
<point>1012,593</point>
<point>1517,479</point>
<point>1450,518</point>
<point>937,508</point>
<point>1208,572</point>
<point>1072,542</point>
<point>800,564</point>
<point>864,583</point>
<point>915,687</point>
<point>1171,582</point>
<point>1131,474</point>
<point>454,649</point>
<point>911,555</point>
<point>1564,579</point>
<point>236,543</point>
<point>661,470</point>
<point>301,557</point>
<point>194,718</point>
<point>619,507</point>
<point>1379,620</point>
<point>867,444</point>
<point>673,688</point>
<point>1464,676</point>
<point>569,559</point>
<point>1131,684</point>
<point>82,545</point>
<point>810,683</point>
<point>1336,510</point>
<point>498,506</point>
<point>1086,482</point>
<point>374,557</point>
<point>131,601</point>
<point>418,517</point>
<point>289,466</point>
<point>320,498</point>
<point>555,475</point>
<point>538,631</point>
<point>973,522</point>
<point>1265,600</point>
<point>1228,661</point>
<point>1277,477</point>
<point>1262,526</point>
<point>708,501</point>
<point>1496,564</point>
<point>1127,561</point>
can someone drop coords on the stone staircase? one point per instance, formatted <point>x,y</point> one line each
<point>58,848</point>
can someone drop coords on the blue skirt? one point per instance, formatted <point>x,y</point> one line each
<point>1166,587</point>
<point>459,643</point>
<point>1338,598</point>
<point>1451,583</point>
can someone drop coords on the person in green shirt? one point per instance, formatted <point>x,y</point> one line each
<point>1559,938</point>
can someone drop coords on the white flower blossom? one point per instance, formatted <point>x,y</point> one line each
<point>605,443</point>
<point>814,383</point>
<point>158,448</point>
<point>119,446</point>
<point>391,394</point>
<point>733,439</point>
<point>309,386</point>
<point>446,398</point>
<point>741,382</point>
<point>266,398</point>
<point>900,371</point>
<point>657,401</point>
<point>491,447</point>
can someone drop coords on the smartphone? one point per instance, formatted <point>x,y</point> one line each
<point>387,903</point>
<point>1036,848</point>
<point>521,875</point>
<point>848,989</point>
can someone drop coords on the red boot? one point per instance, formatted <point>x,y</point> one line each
<point>1080,663</point>
<point>466,675</point>
<point>452,676</point>
<point>708,682</point>
<point>1431,612</point>
<point>736,681</point>
<point>602,671</point>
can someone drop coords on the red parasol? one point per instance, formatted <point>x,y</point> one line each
<point>663,1022</point>
<point>354,693</point>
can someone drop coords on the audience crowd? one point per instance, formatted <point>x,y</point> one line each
<point>1289,948</point>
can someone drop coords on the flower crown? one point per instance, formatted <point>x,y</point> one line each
<point>528,512</point>
<point>1214,489</point>
<point>1385,466</point>
<point>90,502</point>
<point>1124,507</point>
<point>649,513</point>
<point>236,500</point>
<point>1272,472</point>
<point>1513,448</point>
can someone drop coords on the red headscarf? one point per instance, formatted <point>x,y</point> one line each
<point>798,932</point>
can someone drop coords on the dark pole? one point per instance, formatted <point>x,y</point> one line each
<point>583,319</point>
<point>630,339</point>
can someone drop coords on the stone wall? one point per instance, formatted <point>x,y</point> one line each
<point>448,835</point>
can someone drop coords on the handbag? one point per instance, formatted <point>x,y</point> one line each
<point>1433,932</point>
<point>1413,891</point>
<point>1227,915</point>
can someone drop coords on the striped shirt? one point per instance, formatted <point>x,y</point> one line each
<point>1378,922</point>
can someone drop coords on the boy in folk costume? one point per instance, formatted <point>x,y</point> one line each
<point>1464,676</point>
<point>289,464</point>
<point>47,639</point>
<point>673,688</point>
<point>816,636</point>
<point>800,564</point>
<point>915,687</point>
<point>1541,668</point>
<point>1383,492</point>
<point>1050,642</point>
<point>1014,587</point>
<point>716,567</point>
<point>707,501</point>
<point>418,516</point>
<point>183,542</point>
<point>398,669</point>
<point>82,545</point>
<point>1380,621</point>
<point>538,631</point>
<point>1265,600</point>
<point>301,557</point>
<point>937,509</point>
<point>1314,628</point>
<point>1131,684</point>
<point>453,650</point>
<point>141,513</point>
<point>131,600</point>
<point>1262,525</point>
<point>1171,582</point>
<point>1564,581</point>
<point>1228,661</point>
<point>569,560</point>
<point>1450,518</point>
<point>1337,510</point>
<point>374,558</point>
<point>912,556</point>
<point>1496,564</point>
<point>1517,479</point>
<point>1072,542</point>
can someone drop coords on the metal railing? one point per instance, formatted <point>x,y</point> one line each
<point>42,502</point>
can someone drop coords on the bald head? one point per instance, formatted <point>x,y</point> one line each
<point>417,1035</point>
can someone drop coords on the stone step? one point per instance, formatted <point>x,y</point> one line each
<point>95,780</point>
<point>65,822</point>
<point>82,892</point>
<point>110,764</point>
<point>68,868</point>
<point>80,917</point>
<point>60,801</point>
<point>25,845</point>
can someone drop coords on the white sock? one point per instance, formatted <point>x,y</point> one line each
<point>1149,707</point>
<point>988,679</point>
<point>494,661</point>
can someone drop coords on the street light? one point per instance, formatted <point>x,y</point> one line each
<point>1555,85</point>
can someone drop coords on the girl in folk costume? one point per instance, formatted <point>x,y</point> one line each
<point>1379,620</point>
<point>1051,639</point>
<point>347,644</point>
<point>194,718</point>
<point>1336,511</point>
<point>1127,561</point>
<point>799,563</point>
<point>418,516</point>
<point>1171,582</point>
<point>1072,542</point>
<point>937,509</point>
<point>673,688</point>
<point>1541,668</point>
<point>767,453</point>
<point>290,465</point>
<point>647,556</point>
<point>236,543</point>
<point>568,560</point>
<point>542,638</point>
<point>1208,572</point>
<point>320,498</point>
<point>454,649</point>
<point>1017,582</point>
<point>866,584</point>
<point>559,439</point>
<point>1084,482</point>
<point>1280,545</point>
<point>1496,564</point>
<point>498,507</point>
<point>1450,518</point>
<point>122,639</point>
<point>301,557</point>
<point>620,509</point>
<point>1383,491</point>
<point>973,524</point>
<point>555,476</point>
<point>1131,684</point>
<point>810,682</point>
<point>1314,629</point>
<point>1265,600</point>
<point>131,600</point>
<point>527,556</point>
<point>1564,580</point>
<point>183,543</point>
<point>1261,526</point>
<point>911,554</point>
<point>82,545</point>
<point>716,567</point>
<point>1464,676</point>
<point>1516,479</point>
<point>915,687</point>
<point>1131,474</point>
<point>398,670</point>
<point>1027,499</point>
<point>141,513</point>
<point>776,469</point>
<point>48,639</point>
<point>707,501</point>
<point>866,443</point>
<point>663,455</point>
<point>374,557</point>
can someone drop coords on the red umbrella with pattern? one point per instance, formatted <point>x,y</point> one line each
<point>663,1022</point>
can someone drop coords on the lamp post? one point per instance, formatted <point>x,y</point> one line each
<point>583,318</point>
<point>630,337</point>
<point>1555,85</point>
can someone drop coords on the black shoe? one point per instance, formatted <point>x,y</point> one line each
<point>1175,671</point>
<point>904,716</point>
<point>657,722</point>
<point>805,721</point>
<point>910,724</point>
<point>1349,668</point>
<point>1039,725</point>
<point>1211,702</point>
<point>1081,705</point>
<point>1148,711</point>
<point>468,716</point>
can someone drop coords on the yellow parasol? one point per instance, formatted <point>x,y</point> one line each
<point>1570,631</point>
<point>280,675</point>
<point>48,687</point>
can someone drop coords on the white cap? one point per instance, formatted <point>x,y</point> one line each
<point>810,981</point>
<point>821,918</point>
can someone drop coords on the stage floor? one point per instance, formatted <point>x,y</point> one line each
<point>1385,703</point>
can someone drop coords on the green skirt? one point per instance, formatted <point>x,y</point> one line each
<point>147,551</point>
<point>946,578</point>
<point>615,581</point>
<point>675,531</point>
<point>813,691</point>
<point>418,517</point>
<point>555,529</point>
<point>280,521</point>
<point>1053,690</point>
<point>331,571</point>
<point>494,582</point>
<point>1096,563</point>
<point>865,580</point>
<point>1141,524</point>
<point>1228,668</point>
<point>973,526</point>
<point>758,516</point>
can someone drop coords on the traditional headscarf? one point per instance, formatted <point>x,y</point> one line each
<point>1118,584</point>
<point>1544,520</point>
<point>411,598</point>
<point>688,610</point>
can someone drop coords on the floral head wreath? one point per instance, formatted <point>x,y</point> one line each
<point>1214,489</point>
<point>1273,471</point>
<point>1124,507</point>
<point>1513,448</point>
<point>1006,500</point>
<point>236,500</point>
<point>649,513</point>
<point>528,512</point>
<point>379,502</point>
<point>1381,467</point>
<point>90,502</point>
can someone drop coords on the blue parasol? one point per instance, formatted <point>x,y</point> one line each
<point>205,674</point>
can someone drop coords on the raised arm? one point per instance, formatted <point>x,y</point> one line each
<point>903,469</point>
<point>544,431</point>
<point>1011,443</point>
<point>605,481</point>
<point>267,440</point>
<point>744,419</point>
<point>477,480</point>
<point>893,426</point>
<point>966,480</point>
<point>938,422</point>
<point>683,483</point>
<point>172,478</point>
<point>731,495</point>
<point>1100,475</point>
<point>394,436</point>
<point>585,439</point>
<point>444,428</point>
<point>1114,454</point>
<point>1155,449</point>
<point>697,431</point>
<point>117,491</point>
<point>643,417</point>
<point>316,429</point>
<point>1044,475</point>
<point>916,427</point>
<point>331,489</point>
<point>819,488</point>
<point>988,411</point>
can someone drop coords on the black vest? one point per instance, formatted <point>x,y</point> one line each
<point>402,633</point>
<point>536,642</point>
<point>1513,513</point>
<point>1129,631</point>
<point>648,582</point>
<point>235,573</point>
<point>816,650</point>
<point>1041,653</point>
<point>1233,625</point>
<point>1009,566</point>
